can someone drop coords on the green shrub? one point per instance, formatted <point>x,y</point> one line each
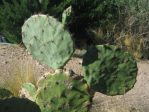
<point>134,20</point>
<point>12,16</point>
<point>86,14</point>
<point>15,12</point>
<point>54,7</point>
<point>90,14</point>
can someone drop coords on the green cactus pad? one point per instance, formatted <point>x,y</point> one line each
<point>18,105</point>
<point>47,40</point>
<point>109,70</point>
<point>66,16</point>
<point>30,89</point>
<point>62,93</point>
<point>4,93</point>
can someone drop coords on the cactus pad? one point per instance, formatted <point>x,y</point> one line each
<point>4,93</point>
<point>66,16</point>
<point>28,91</point>
<point>47,40</point>
<point>109,70</point>
<point>62,93</point>
<point>14,104</point>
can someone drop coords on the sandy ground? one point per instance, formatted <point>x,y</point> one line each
<point>13,57</point>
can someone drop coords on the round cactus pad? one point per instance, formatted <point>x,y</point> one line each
<point>109,70</point>
<point>47,40</point>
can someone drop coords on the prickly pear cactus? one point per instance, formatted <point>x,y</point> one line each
<point>109,70</point>
<point>47,40</point>
<point>62,93</point>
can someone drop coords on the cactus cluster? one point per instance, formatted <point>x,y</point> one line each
<point>60,92</point>
<point>47,40</point>
<point>109,70</point>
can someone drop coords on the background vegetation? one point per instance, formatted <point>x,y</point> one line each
<point>120,22</point>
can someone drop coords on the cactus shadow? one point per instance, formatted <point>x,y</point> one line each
<point>93,54</point>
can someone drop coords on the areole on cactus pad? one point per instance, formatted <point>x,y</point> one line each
<point>47,40</point>
<point>109,70</point>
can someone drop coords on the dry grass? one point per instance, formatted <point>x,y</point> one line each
<point>21,72</point>
<point>134,45</point>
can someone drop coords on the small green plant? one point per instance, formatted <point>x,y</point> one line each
<point>49,42</point>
